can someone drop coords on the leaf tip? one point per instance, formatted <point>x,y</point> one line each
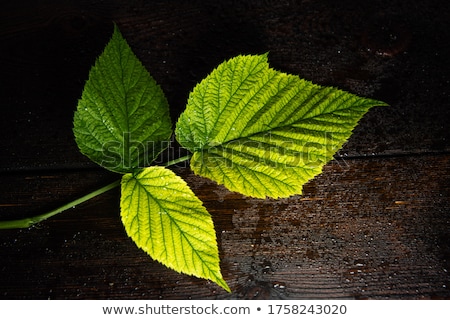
<point>225,286</point>
<point>218,279</point>
<point>116,30</point>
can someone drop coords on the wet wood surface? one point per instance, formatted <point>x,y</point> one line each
<point>374,225</point>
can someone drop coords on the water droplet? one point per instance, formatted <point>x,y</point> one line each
<point>279,285</point>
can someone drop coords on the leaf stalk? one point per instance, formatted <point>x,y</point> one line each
<point>30,221</point>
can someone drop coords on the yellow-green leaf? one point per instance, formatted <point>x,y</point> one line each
<point>122,120</point>
<point>262,132</point>
<point>164,217</point>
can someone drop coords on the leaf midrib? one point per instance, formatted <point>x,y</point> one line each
<point>287,126</point>
<point>174,222</point>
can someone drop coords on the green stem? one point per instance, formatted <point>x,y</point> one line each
<point>181,159</point>
<point>28,222</point>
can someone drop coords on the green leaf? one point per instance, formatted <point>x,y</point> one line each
<point>262,132</point>
<point>164,218</point>
<point>122,119</point>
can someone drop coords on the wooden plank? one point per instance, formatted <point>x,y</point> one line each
<point>374,225</point>
<point>49,48</point>
<point>365,228</point>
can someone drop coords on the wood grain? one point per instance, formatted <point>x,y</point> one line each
<point>374,225</point>
<point>372,228</point>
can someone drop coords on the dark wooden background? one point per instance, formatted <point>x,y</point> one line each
<point>375,224</point>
